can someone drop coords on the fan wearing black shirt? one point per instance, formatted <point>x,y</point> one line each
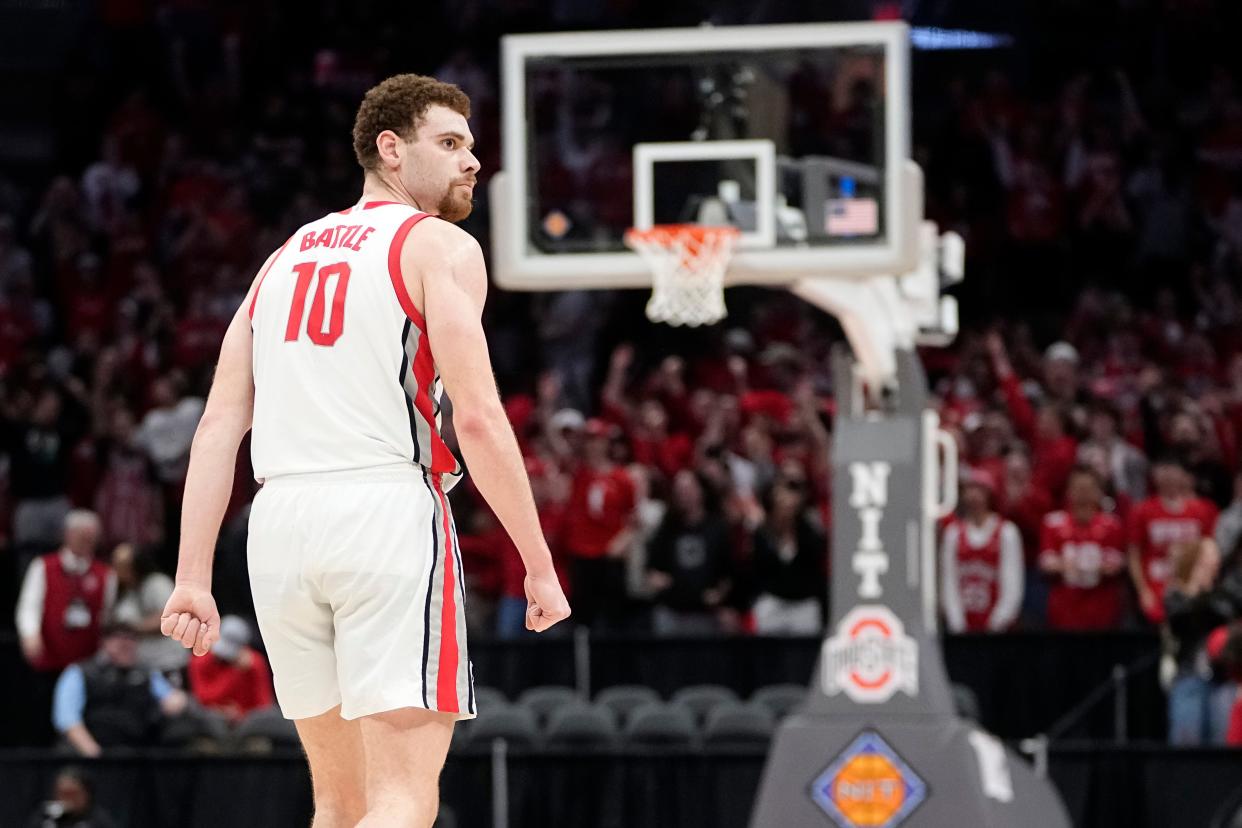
<point>688,563</point>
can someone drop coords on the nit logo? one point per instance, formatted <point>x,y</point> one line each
<point>868,786</point>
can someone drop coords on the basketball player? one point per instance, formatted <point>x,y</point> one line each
<point>353,554</point>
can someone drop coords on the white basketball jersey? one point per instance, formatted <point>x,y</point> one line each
<point>344,376</point>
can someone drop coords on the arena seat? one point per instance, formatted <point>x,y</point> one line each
<point>197,729</point>
<point>657,724</point>
<point>780,699</point>
<point>581,726</point>
<point>699,699</point>
<point>624,699</point>
<point>513,723</point>
<point>264,730</point>
<point>543,700</point>
<point>485,697</point>
<point>738,725</point>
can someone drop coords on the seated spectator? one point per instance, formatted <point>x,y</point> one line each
<point>110,701</point>
<point>790,575</point>
<point>65,598</point>
<point>1172,515</point>
<point>142,593</point>
<point>1199,704</point>
<point>72,804</point>
<point>234,678</point>
<point>688,563</point>
<point>981,563</point>
<point>1081,553</point>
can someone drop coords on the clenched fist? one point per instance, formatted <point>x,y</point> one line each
<point>190,617</point>
<point>545,602</point>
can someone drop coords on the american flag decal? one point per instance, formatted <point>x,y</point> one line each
<point>852,217</point>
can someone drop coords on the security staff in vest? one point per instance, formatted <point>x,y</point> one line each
<point>64,598</point>
<point>109,701</point>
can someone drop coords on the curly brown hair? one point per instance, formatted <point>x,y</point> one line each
<point>399,103</point>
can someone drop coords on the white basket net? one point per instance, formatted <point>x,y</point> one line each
<point>688,263</point>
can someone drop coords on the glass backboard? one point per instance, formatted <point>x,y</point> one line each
<point>796,134</point>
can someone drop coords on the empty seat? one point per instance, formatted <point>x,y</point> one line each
<point>489,697</point>
<point>780,699</point>
<point>204,731</point>
<point>264,730</point>
<point>543,700</point>
<point>661,724</point>
<point>581,726</point>
<point>701,698</point>
<point>624,699</point>
<point>738,725</point>
<point>514,724</point>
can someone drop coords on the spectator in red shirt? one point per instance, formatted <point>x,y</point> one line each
<point>1054,451</point>
<point>597,529</point>
<point>1081,552</point>
<point>653,445</point>
<point>981,563</point>
<point>233,679</point>
<point>1173,515</point>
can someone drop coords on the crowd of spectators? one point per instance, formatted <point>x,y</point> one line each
<point>682,478</point>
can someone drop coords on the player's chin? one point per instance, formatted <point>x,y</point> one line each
<point>456,207</point>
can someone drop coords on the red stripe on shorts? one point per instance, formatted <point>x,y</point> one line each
<point>446,675</point>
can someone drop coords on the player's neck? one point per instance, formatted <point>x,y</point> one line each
<point>375,188</point>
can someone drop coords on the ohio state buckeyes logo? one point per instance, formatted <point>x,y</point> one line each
<point>870,657</point>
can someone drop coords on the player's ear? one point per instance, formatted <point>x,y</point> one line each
<point>389,146</point>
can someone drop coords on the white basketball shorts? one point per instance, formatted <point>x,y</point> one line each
<point>359,593</point>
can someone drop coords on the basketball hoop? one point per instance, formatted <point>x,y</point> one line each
<point>688,263</point>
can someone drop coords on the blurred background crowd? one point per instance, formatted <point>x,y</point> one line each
<point>682,476</point>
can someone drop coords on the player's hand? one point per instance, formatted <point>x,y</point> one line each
<point>545,602</point>
<point>190,617</point>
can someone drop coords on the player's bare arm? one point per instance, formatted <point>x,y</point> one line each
<point>190,616</point>
<point>445,275</point>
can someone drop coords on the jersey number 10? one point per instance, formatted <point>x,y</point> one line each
<point>314,325</point>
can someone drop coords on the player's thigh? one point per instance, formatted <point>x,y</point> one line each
<point>398,608</point>
<point>337,759</point>
<point>295,621</point>
<point>405,751</point>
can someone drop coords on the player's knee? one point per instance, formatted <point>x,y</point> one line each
<point>342,803</point>
<point>331,812</point>
<point>402,808</point>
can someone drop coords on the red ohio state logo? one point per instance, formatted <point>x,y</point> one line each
<point>870,657</point>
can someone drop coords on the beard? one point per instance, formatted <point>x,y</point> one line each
<point>456,204</point>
